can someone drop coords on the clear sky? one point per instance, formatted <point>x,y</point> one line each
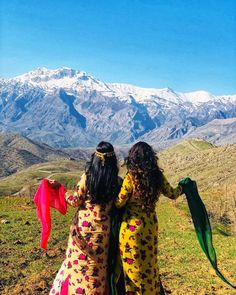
<point>186,45</point>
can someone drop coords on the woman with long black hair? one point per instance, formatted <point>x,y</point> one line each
<point>141,188</point>
<point>84,270</point>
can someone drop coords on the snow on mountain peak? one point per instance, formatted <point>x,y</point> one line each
<point>75,81</point>
<point>64,77</point>
<point>43,74</point>
<point>198,96</point>
<point>145,94</point>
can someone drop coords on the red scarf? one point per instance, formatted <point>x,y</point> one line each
<point>46,197</point>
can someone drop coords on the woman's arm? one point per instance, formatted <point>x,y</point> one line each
<point>77,198</point>
<point>125,192</point>
<point>169,191</point>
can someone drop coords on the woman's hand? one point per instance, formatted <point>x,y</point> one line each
<point>72,200</point>
<point>53,183</point>
<point>75,202</point>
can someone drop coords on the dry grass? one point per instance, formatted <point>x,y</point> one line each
<point>214,169</point>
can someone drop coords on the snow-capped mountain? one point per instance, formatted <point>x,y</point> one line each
<point>66,108</point>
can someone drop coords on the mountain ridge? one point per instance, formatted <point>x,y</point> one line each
<point>69,108</point>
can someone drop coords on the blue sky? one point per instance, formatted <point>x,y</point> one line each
<point>186,45</point>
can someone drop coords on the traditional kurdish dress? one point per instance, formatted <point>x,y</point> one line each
<point>84,270</point>
<point>138,240</point>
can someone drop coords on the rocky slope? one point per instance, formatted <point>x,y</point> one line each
<point>68,108</point>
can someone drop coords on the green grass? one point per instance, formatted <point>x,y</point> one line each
<point>21,257</point>
<point>190,146</point>
<point>67,172</point>
<point>183,267</point>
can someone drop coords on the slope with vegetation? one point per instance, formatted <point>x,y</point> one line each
<point>18,152</point>
<point>183,267</point>
<point>214,169</point>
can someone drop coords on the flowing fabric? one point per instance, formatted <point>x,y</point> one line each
<point>46,197</point>
<point>114,267</point>
<point>201,223</point>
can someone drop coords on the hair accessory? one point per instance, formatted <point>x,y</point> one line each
<point>103,155</point>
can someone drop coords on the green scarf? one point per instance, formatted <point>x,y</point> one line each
<point>201,223</point>
<point>116,219</point>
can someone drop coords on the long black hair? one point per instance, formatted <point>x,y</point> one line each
<point>148,177</point>
<point>102,174</point>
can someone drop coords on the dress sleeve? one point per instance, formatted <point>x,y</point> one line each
<point>125,192</point>
<point>169,191</point>
<point>77,198</point>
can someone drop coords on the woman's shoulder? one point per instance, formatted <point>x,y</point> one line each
<point>82,179</point>
<point>129,177</point>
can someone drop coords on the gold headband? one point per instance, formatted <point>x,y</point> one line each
<point>103,155</point>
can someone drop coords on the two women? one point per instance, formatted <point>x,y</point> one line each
<point>84,270</point>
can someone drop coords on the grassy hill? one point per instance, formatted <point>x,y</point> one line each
<point>65,171</point>
<point>18,152</point>
<point>183,267</point>
<point>214,169</point>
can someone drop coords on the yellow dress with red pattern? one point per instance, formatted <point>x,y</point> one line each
<point>84,269</point>
<point>138,240</point>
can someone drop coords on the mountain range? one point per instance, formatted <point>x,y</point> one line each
<point>66,108</point>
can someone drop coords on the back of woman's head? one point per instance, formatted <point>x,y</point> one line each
<point>102,174</point>
<point>148,178</point>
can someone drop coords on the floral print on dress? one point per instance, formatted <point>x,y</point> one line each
<point>138,240</point>
<point>85,264</point>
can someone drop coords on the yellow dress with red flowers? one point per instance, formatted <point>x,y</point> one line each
<point>84,270</point>
<point>139,241</point>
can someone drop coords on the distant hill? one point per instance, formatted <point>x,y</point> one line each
<point>18,152</point>
<point>25,181</point>
<point>218,131</point>
<point>209,164</point>
<point>214,169</point>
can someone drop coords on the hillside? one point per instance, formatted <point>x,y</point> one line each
<point>30,271</point>
<point>214,169</point>
<point>26,181</point>
<point>19,152</point>
<point>211,166</point>
<point>183,267</point>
